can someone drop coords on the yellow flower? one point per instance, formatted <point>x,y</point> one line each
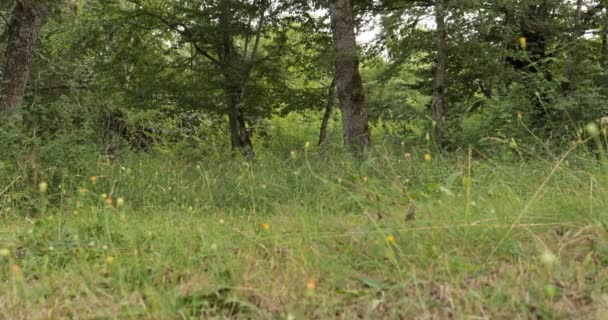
<point>43,187</point>
<point>109,201</point>
<point>428,157</point>
<point>16,269</point>
<point>293,154</point>
<point>266,226</point>
<point>83,191</point>
<point>311,284</point>
<point>547,258</point>
<point>523,42</point>
<point>390,239</point>
<point>120,202</point>
<point>4,252</point>
<point>110,259</point>
<point>93,179</point>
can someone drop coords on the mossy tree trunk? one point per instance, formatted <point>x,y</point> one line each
<point>348,79</point>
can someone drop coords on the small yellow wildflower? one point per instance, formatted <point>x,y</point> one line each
<point>222,221</point>
<point>523,42</point>
<point>547,258</point>
<point>93,179</point>
<point>293,154</point>
<point>390,239</point>
<point>109,201</point>
<point>311,284</point>
<point>120,202</point>
<point>43,187</point>
<point>427,157</point>
<point>83,191</point>
<point>16,269</point>
<point>266,226</point>
<point>4,252</point>
<point>110,259</point>
<point>307,145</point>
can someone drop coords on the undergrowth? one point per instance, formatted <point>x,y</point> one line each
<point>305,234</point>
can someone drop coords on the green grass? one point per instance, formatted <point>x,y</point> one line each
<point>489,240</point>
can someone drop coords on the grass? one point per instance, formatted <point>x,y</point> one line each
<point>303,235</point>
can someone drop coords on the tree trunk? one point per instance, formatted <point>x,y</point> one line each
<point>568,85</point>
<point>329,109</point>
<point>239,136</point>
<point>439,101</point>
<point>23,31</point>
<point>235,77</point>
<point>348,80</point>
<point>605,41</point>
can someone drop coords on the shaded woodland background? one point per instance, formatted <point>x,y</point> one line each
<point>202,79</point>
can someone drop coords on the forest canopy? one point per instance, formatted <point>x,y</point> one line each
<point>145,75</point>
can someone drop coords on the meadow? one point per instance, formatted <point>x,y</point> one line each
<point>400,233</point>
<point>159,159</point>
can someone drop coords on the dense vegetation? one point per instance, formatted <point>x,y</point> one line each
<point>398,159</point>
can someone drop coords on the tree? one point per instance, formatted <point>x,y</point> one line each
<point>230,35</point>
<point>348,79</point>
<point>329,109</point>
<point>439,100</point>
<point>604,37</point>
<point>23,30</point>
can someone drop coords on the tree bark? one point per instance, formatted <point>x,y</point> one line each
<point>235,75</point>
<point>605,41</point>
<point>239,135</point>
<point>23,32</point>
<point>439,100</point>
<point>568,85</point>
<point>348,79</point>
<point>329,109</point>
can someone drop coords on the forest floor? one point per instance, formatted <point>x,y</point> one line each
<point>300,237</point>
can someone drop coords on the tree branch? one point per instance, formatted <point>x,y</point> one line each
<point>180,28</point>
